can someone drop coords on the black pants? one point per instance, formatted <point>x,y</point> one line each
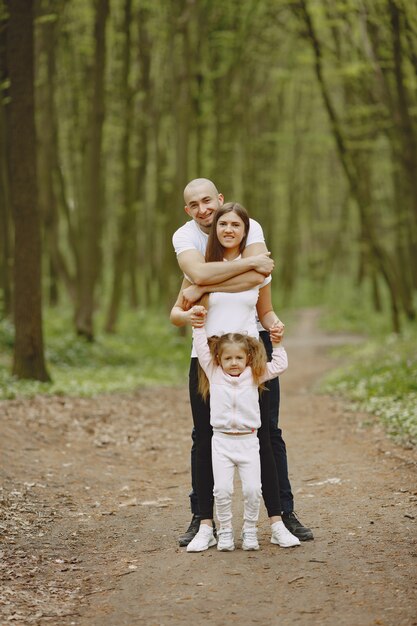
<point>278,444</point>
<point>203,479</point>
<point>201,414</point>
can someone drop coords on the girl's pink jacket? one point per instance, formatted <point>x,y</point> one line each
<point>234,400</point>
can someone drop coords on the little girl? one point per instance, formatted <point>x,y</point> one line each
<point>235,366</point>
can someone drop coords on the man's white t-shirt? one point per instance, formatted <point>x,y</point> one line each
<point>191,237</point>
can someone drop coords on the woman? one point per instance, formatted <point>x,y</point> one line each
<point>231,312</point>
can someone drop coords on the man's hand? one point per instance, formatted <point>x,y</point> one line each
<point>191,294</point>
<point>276,332</point>
<point>263,263</point>
<point>197,316</point>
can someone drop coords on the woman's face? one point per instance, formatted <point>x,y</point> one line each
<point>230,230</point>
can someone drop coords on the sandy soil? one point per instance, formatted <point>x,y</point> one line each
<point>95,493</point>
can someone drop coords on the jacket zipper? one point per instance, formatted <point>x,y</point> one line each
<point>233,424</point>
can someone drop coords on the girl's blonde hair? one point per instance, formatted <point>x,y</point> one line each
<point>254,349</point>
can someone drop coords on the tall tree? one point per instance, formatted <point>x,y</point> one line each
<point>29,359</point>
<point>353,165</point>
<point>91,223</point>
<point>48,155</point>
<point>5,208</point>
<point>126,220</point>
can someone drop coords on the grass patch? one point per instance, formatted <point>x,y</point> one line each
<point>381,377</point>
<point>146,351</point>
<point>382,380</point>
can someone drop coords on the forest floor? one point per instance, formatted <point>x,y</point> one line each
<point>95,493</point>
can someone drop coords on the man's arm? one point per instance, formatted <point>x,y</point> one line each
<point>254,249</point>
<point>243,282</point>
<point>240,282</point>
<point>193,264</point>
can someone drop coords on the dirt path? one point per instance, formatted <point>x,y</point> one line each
<point>95,493</point>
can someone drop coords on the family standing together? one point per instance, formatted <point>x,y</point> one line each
<point>233,382</point>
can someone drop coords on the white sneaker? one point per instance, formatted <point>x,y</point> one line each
<point>282,536</point>
<point>226,541</point>
<point>203,540</point>
<point>250,539</point>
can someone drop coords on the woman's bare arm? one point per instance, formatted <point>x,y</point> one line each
<point>180,316</point>
<point>266,314</point>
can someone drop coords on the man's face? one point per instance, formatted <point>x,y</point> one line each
<point>201,203</point>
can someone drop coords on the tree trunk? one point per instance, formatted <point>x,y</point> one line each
<point>6,259</point>
<point>28,351</point>
<point>406,128</point>
<point>48,149</point>
<point>393,96</point>
<point>124,231</point>
<point>92,219</point>
<point>140,261</point>
<point>6,255</point>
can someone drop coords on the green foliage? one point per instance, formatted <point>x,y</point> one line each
<point>146,351</point>
<point>4,14</point>
<point>381,375</point>
<point>348,307</point>
<point>345,305</point>
<point>382,380</point>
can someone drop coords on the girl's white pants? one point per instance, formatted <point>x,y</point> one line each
<point>228,452</point>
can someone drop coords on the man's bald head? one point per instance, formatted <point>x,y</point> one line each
<point>198,183</point>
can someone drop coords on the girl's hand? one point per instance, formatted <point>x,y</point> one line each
<point>197,316</point>
<point>276,332</point>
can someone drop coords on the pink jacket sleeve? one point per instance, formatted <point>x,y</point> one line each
<point>203,351</point>
<point>277,366</point>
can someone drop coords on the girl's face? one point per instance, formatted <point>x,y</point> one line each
<point>230,230</point>
<point>233,359</point>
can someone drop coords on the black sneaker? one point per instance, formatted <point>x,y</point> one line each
<point>296,528</point>
<point>191,531</point>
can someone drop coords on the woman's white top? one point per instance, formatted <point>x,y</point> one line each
<point>233,312</point>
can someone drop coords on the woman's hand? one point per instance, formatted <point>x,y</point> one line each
<point>191,294</point>
<point>276,331</point>
<point>197,316</point>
